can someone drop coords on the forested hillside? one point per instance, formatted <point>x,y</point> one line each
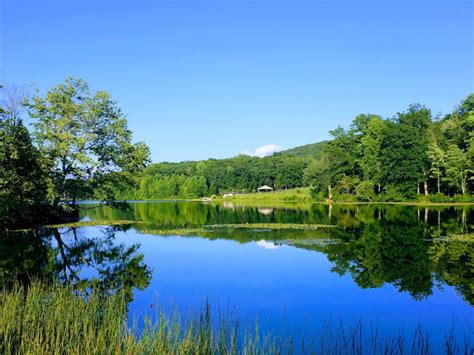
<point>216,176</point>
<point>314,150</point>
<point>376,158</point>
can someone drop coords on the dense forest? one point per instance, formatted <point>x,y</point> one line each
<point>212,177</point>
<point>401,157</point>
<point>376,159</point>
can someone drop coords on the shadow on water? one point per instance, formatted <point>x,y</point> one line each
<point>64,254</point>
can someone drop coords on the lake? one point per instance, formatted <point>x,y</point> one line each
<point>294,270</point>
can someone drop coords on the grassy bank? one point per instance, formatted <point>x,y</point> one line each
<point>56,320</point>
<point>302,197</point>
<point>302,194</point>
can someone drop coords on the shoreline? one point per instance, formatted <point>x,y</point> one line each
<point>293,202</point>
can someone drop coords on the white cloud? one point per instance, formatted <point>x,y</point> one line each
<point>267,245</point>
<point>264,151</point>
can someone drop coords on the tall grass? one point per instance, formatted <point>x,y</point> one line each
<point>57,320</point>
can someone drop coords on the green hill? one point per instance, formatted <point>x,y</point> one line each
<point>313,150</point>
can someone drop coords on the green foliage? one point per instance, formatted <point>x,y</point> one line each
<point>23,182</point>
<point>212,177</point>
<point>371,151</point>
<point>83,137</point>
<point>457,168</point>
<point>314,150</point>
<point>376,159</point>
<point>398,159</point>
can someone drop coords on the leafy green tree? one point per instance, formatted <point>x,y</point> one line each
<point>318,175</point>
<point>23,182</point>
<point>458,167</point>
<point>436,156</point>
<point>341,156</point>
<point>405,150</point>
<point>85,141</point>
<point>371,150</point>
<point>458,126</point>
<point>458,129</point>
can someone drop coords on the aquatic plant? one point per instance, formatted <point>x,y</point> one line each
<point>56,319</point>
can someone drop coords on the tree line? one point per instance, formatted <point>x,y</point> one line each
<point>217,176</point>
<point>79,147</point>
<point>400,157</point>
<point>377,159</point>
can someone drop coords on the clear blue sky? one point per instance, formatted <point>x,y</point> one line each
<point>202,79</point>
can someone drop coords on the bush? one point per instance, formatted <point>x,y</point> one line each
<point>365,191</point>
<point>439,198</point>
<point>318,195</point>
<point>393,194</point>
<point>463,198</point>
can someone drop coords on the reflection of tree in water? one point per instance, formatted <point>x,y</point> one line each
<point>378,244</point>
<point>455,266</point>
<point>74,258</point>
<point>405,252</point>
<point>381,254</point>
<point>25,256</point>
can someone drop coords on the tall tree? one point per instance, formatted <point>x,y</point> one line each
<point>437,159</point>
<point>458,167</point>
<point>371,150</point>
<point>405,150</point>
<point>84,137</point>
<point>23,182</point>
<point>341,155</point>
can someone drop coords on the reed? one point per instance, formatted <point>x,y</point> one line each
<point>58,320</point>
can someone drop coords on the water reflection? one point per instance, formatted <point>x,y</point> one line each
<point>412,248</point>
<point>84,258</point>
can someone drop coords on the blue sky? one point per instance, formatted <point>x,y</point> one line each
<point>201,79</point>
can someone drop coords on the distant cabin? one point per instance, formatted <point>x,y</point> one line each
<point>265,188</point>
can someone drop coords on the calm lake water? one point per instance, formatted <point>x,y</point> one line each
<point>393,266</point>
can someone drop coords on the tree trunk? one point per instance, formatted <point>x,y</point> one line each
<point>439,222</point>
<point>425,187</point>
<point>330,192</point>
<point>418,189</point>
<point>438,184</point>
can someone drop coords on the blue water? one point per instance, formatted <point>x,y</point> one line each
<point>287,289</point>
<point>390,267</point>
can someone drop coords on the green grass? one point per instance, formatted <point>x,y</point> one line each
<point>57,320</point>
<point>301,197</point>
<point>295,198</point>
